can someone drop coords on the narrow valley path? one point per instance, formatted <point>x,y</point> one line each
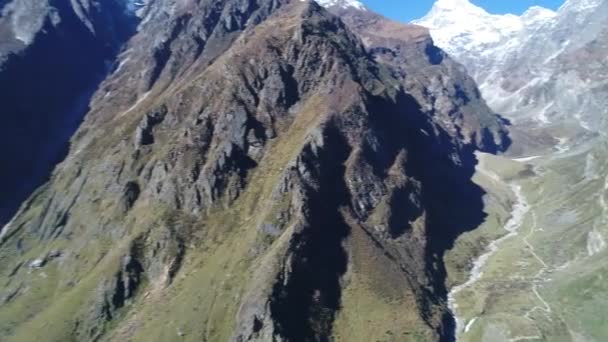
<point>528,224</point>
<point>546,308</point>
<point>519,211</point>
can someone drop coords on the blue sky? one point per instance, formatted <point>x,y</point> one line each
<point>407,10</point>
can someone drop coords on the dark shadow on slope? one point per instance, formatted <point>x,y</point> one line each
<point>45,91</point>
<point>305,303</point>
<point>453,203</point>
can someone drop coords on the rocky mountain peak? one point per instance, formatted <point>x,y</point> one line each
<point>253,169</point>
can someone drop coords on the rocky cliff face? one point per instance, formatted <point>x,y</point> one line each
<point>441,85</point>
<point>52,56</point>
<point>254,171</point>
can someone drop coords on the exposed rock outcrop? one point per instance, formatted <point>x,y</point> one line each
<point>251,172</point>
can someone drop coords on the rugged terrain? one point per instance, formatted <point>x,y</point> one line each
<point>539,258</point>
<point>255,171</point>
<point>53,54</point>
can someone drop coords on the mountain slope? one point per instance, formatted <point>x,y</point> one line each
<point>52,57</point>
<point>251,172</point>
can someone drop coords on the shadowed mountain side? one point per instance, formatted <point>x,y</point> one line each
<point>46,86</point>
<point>443,91</point>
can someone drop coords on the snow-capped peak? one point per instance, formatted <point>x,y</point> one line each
<point>451,19</point>
<point>461,24</point>
<point>538,14</point>
<point>342,3</point>
<point>538,11</point>
<point>517,60</point>
<point>580,5</point>
<point>454,5</point>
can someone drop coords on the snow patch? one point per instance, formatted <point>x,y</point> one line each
<point>135,6</point>
<point>562,145</point>
<point>591,168</point>
<point>542,114</point>
<point>470,324</point>
<point>140,100</point>
<point>121,65</point>
<point>595,243</point>
<point>6,228</point>
<point>526,159</point>
<point>342,3</point>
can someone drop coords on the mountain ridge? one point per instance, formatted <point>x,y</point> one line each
<point>262,160</point>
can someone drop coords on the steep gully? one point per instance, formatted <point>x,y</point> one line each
<point>454,203</point>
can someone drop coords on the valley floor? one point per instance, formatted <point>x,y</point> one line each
<point>537,274</point>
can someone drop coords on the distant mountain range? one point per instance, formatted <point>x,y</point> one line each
<point>543,68</point>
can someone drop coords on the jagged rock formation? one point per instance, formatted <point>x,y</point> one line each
<point>52,56</point>
<point>252,171</point>
<point>440,85</point>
